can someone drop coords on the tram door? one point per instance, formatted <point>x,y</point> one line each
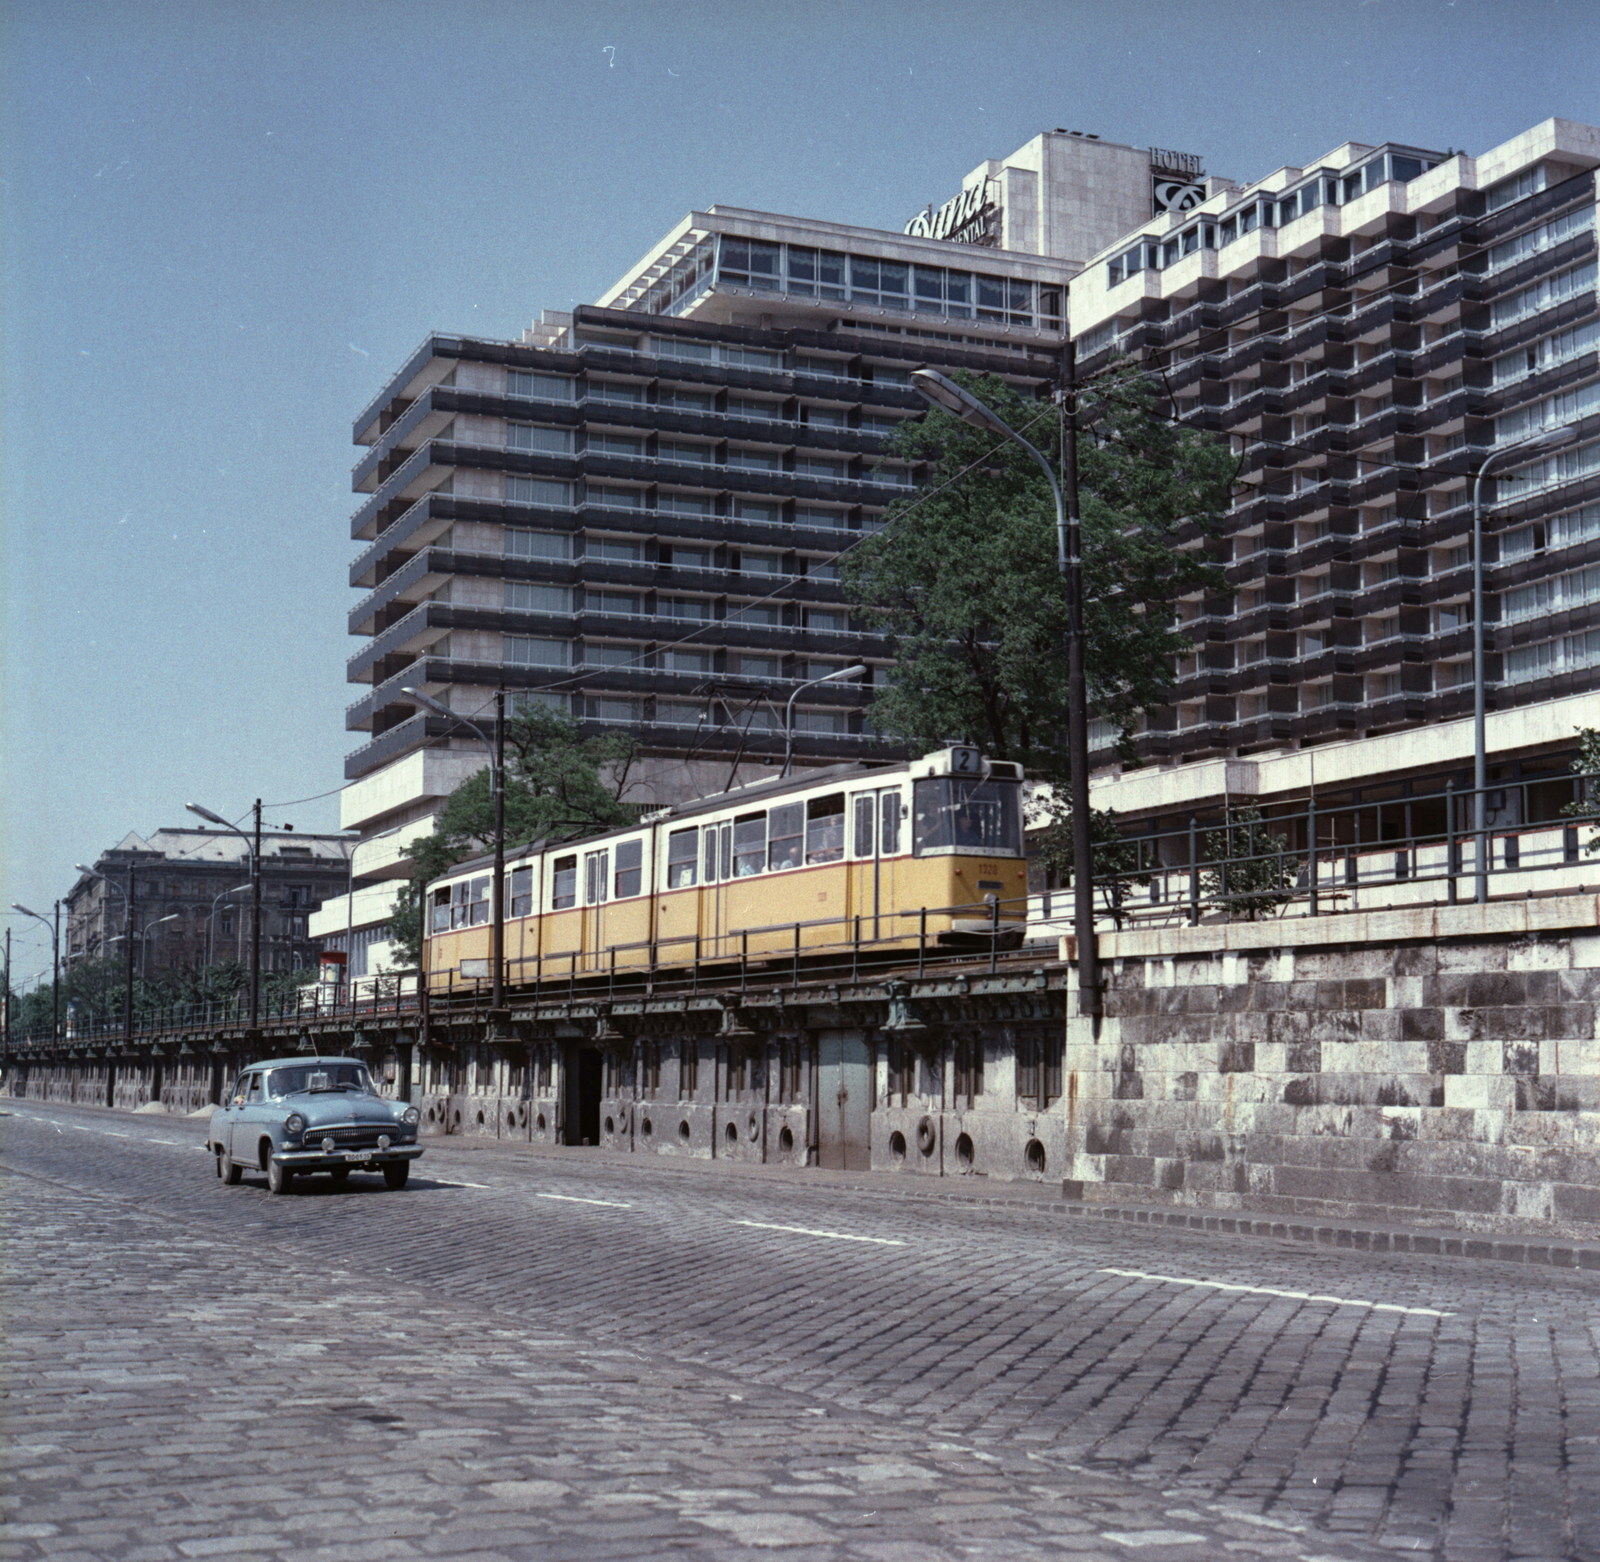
<point>875,847</point>
<point>596,877</point>
<point>716,847</point>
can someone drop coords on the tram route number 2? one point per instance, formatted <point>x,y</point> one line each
<point>966,762</point>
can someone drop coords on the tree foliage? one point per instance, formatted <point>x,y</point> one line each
<point>1117,868</point>
<point>1251,875</point>
<point>964,580</point>
<point>1586,764</point>
<point>559,785</point>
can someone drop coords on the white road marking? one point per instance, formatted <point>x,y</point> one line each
<point>439,1182</point>
<point>1268,1290</point>
<point>808,1231</point>
<point>569,1198</point>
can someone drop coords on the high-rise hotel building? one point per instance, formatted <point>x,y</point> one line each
<point>1367,331</point>
<point>635,512</point>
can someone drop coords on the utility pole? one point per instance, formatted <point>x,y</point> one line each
<point>498,940</point>
<point>255,922</point>
<point>127,938</point>
<point>1089,995</point>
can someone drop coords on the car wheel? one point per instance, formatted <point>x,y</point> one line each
<point>396,1172</point>
<point>340,1175</point>
<point>279,1178</point>
<point>228,1169</point>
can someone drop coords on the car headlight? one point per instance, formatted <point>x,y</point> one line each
<point>411,1117</point>
<point>294,1123</point>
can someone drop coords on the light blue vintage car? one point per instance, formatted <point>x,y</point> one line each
<point>290,1116</point>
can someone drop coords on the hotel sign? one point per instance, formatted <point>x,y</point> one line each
<point>1176,180</point>
<point>964,219</point>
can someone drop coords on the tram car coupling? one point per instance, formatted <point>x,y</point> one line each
<point>876,859</point>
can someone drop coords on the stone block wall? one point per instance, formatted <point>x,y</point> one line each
<point>1454,1081</point>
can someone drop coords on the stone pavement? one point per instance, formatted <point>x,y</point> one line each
<point>570,1357</point>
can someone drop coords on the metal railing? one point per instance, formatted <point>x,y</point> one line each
<point>1306,859</point>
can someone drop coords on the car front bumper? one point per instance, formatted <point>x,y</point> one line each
<point>325,1160</point>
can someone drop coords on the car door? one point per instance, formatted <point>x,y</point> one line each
<point>244,1127</point>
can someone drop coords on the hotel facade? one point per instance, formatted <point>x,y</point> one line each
<point>635,511</point>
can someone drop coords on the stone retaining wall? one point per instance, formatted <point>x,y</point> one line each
<point>1453,1079</point>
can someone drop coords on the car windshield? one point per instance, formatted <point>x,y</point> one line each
<point>318,1076</point>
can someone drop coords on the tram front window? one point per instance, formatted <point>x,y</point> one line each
<point>954,814</point>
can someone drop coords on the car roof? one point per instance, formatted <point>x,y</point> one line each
<point>300,1060</point>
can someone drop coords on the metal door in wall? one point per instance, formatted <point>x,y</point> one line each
<point>844,1100</point>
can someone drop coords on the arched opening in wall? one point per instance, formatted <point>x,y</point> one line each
<point>964,1152</point>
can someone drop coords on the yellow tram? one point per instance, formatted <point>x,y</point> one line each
<point>877,857</point>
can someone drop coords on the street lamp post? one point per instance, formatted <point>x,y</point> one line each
<point>1549,439</point>
<point>944,392</point>
<point>55,964</point>
<point>127,935</point>
<point>144,941</point>
<point>497,768</point>
<point>211,921</point>
<point>837,676</point>
<point>255,897</point>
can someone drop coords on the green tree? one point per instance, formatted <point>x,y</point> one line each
<point>559,785</point>
<point>963,578</point>
<point>1117,867</point>
<point>1250,875</point>
<point>1586,764</point>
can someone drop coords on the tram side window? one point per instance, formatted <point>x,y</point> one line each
<point>630,869</point>
<point>749,845</point>
<point>564,884</point>
<point>480,900</point>
<point>681,847</point>
<point>955,813</point>
<point>440,921</point>
<point>711,854</point>
<point>461,903</point>
<point>889,834</point>
<point>825,829</point>
<point>783,836</point>
<point>521,892</point>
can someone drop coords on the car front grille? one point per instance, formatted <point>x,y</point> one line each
<point>361,1138</point>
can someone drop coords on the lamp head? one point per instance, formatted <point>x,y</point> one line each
<point>942,391</point>
<point>843,673</point>
<point>206,813</point>
<point>1552,439</point>
<point>425,699</point>
<point>17,905</point>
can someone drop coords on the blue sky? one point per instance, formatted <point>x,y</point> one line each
<point>227,224</point>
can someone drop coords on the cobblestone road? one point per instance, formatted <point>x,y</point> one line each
<point>532,1355</point>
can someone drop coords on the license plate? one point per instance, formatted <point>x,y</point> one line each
<point>358,1155</point>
